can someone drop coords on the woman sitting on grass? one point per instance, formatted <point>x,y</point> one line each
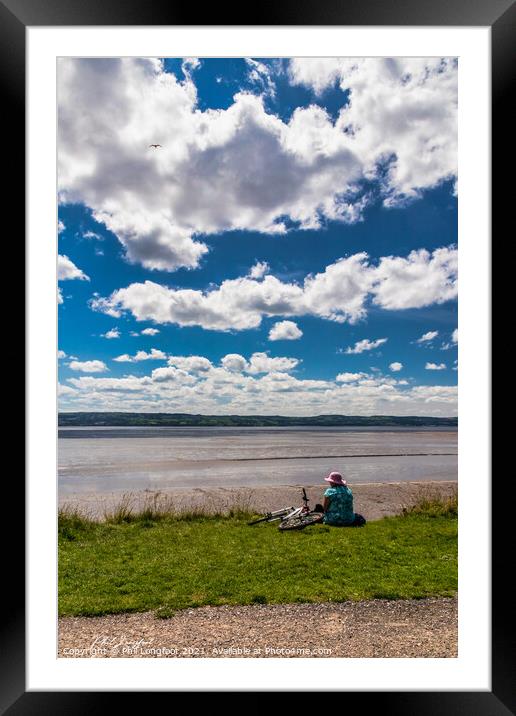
<point>338,504</point>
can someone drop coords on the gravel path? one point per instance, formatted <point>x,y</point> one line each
<point>379,628</point>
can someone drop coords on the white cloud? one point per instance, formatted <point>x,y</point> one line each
<point>124,358</point>
<point>339,293</point>
<point>402,111</point>
<point>59,295</point>
<point>426,337</point>
<point>234,363</point>
<point>191,364</point>
<point>258,363</point>
<point>262,363</point>
<point>92,235</point>
<point>154,354</point>
<point>61,354</point>
<point>150,332</point>
<point>66,269</point>
<point>259,269</point>
<point>218,390</point>
<point>171,374</point>
<point>88,366</point>
<point>60,226</point>
<point>454,339</point>
<point>118,385</point>
<point>160,202</point>
<point>260,75</point>
<point>435,366</point>
<point>419,280</point>
<point>112,333</point>
<point>365,345</point>
<point>285,331</point>
<point>190,64</point>
<point>103,305</point>
<point>350,377</point>
<point>396,366</point>
<point>65,390</point>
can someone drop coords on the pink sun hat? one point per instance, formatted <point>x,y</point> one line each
<point>335,478</point>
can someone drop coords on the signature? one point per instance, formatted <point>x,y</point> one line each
<point>114,642</point>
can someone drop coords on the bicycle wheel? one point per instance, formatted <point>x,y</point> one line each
<point>299,522</point>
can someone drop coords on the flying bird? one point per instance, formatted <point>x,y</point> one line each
<point>154,145</point>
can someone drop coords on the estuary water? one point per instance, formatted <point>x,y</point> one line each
<point>107,459</point>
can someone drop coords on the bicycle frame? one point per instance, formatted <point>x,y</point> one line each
<point>286,513</point>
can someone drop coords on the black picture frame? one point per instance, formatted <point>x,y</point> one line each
<point>500,16</point>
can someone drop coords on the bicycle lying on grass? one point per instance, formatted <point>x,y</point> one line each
<point>292,518</point>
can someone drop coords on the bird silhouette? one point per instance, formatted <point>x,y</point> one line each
<point>154,145</point>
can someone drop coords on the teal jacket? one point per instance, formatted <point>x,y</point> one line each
<point>340,510</point>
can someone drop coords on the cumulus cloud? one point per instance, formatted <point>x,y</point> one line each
<point>218,389</point>
<point>113,333</point>
<point>154,354</point>
<point>60,226</point>
<point>63,390</point>
<point>172,375</point>
<point>455,336</point>
<point>365,345</point>
<point>401,114</point>
<point>435,366</point>
<point>66,270</point>
<point>349,377</point>
<point>262,363</point>
<point>234,363</point>
<point>396,366</point>
<point>242,168</point>
<point>421,279</point>
<point>131,384</point>
<point>285,331</point>
<point>191,364</point>
<point>150,332</point>
<point>61,354</point>
<point>59,295</point>
<point>338,293</point>
<point>88,366</point>
<point>258,363</point>
<point>426,337</point>
<point>259,269</point>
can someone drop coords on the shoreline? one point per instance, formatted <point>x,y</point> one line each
<point>373,500</point>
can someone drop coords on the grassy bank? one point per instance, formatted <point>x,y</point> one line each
<point>158,560</point>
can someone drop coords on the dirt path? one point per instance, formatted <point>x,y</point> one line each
<point>379,628</point>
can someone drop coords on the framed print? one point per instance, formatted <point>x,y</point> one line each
<point>257,230</point>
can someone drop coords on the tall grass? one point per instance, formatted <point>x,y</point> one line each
<point>430,502</point>
<point>152,509</point>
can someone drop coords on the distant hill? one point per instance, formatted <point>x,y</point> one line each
<point>185,419</point>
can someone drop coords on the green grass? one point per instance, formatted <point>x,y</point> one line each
<point>163,561</point>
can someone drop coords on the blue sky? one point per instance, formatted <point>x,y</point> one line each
<point>291,247</point>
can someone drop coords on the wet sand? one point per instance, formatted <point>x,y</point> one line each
<point>116,459</point>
